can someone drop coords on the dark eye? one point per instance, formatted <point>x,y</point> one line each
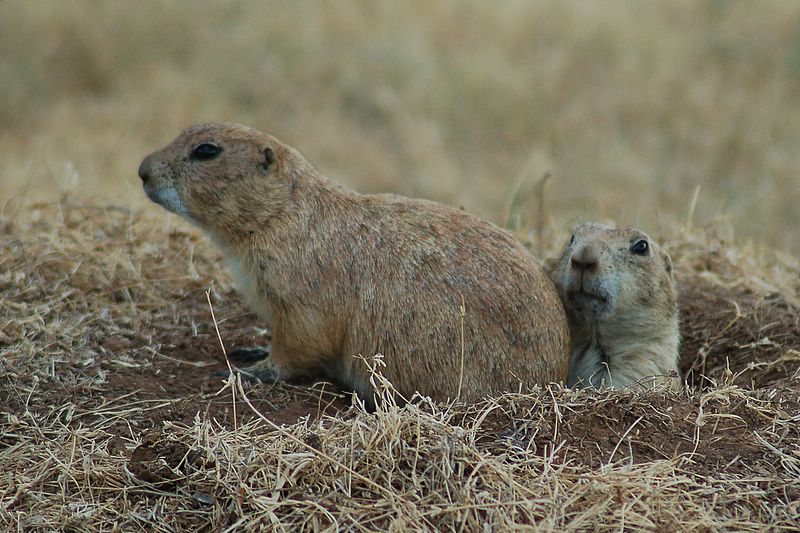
<point>572,240</point>
<point>640,247</point>
<point>205,151</point>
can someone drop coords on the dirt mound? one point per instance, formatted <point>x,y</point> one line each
<point>708,434</point>
<point>110,418</point>
<point>753,336</point>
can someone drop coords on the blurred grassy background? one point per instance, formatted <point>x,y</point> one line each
<point>630,105</point>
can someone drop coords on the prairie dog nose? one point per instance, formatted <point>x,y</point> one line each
<point>144,169</point>
<point>585,258</point>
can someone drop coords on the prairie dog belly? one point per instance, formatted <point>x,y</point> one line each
<point>247,286</point>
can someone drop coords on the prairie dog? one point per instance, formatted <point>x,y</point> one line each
<point>621,300</point>
<point>336,273</point>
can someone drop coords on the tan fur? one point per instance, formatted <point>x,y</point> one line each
<point>336,273</point>
<point>622,309</point>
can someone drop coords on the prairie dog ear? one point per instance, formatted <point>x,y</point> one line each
<point>269,156</point>
<point>668,262</point>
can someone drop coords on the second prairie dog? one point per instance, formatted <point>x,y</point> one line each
<point>336,273</point>
<point>622,304</point>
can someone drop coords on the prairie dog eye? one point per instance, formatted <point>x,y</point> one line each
<point>205,152</point>
<point>572,240</point>
<point>640,247</point>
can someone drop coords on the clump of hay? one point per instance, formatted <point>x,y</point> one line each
<point>109,421</point>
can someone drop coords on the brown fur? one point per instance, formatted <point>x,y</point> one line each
<point>336,273</point>
<point>622,309</point>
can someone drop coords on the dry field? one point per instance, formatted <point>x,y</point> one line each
<point>680,117</point>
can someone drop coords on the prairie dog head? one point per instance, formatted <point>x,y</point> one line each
<point>608,275</point>
<point>225,178</point>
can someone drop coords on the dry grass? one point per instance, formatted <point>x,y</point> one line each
<point>630,105</point>
<point>108,420</point>
<point>111,423</point>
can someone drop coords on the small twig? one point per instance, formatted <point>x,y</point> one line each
<point>622,438</point>
<point>540,218</point>
<point>231,376</point>
<point>463,312</point>
<point>692,207</point>
<point>90,207</point>
<point>196,364</point>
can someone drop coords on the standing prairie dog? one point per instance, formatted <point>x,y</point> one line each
<point>337,274</point>
<point>621,300</point>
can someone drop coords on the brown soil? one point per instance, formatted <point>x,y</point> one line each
<point>184,370</point>
<point>709,437</point>
<point>176,376</point>
<point>755,337</point>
